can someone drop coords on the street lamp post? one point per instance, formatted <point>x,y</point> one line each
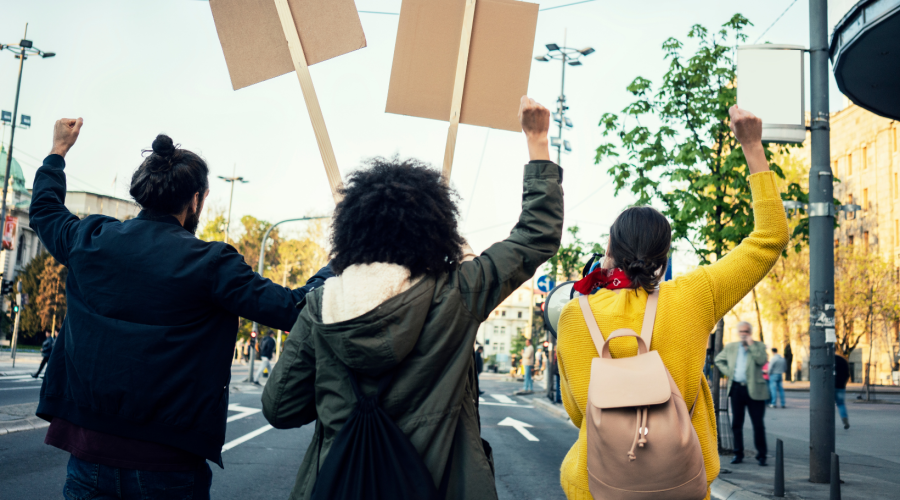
<point>571,57</point>
<point>22,50</point>
<point>261,268</point>
<point>821,254</point>
<point>231,180</point>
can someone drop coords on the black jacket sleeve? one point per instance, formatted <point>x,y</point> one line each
<point>50,218</point>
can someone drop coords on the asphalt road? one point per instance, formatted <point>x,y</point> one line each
<point>262,463</point>
<point>19,389</point>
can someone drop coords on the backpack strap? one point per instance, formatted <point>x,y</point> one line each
<point>596,335</point>
<point>649,318</point>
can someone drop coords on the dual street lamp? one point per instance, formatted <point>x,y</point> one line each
<point>232,180</point>
<point>23,50</point>
<point>571,57</point>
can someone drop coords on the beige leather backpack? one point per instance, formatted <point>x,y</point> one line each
<point>640,441</point>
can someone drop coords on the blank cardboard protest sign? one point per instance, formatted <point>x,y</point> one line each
<point>426,53</point>
<point>254,43</point>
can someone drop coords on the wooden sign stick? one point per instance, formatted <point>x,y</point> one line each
<point>458,85</point>
<point>309,95</point>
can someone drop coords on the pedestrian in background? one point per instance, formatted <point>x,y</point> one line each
<point>400,322</point>
<point>777,367</point>
<point>688,309</point>
<point>479,367</point>
<point>239,350</point>
<point>841,377</point>
<point>266,349</point>
<point>137,391</point>
<point>46,349</point>
<point>742,363</point>
<point>528,364</point>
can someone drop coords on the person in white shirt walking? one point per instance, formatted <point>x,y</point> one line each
<point>528,363</point>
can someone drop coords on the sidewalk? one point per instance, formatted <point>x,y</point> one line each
<point>26,363</point>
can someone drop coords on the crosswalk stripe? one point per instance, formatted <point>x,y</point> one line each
<point>503,398</point>
<point>246,437</point>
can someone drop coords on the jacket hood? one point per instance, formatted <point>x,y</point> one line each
<point>372,315</point>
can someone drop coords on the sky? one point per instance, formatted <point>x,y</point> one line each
<point>135,69</point>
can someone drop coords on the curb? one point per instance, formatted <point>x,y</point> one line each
<point>723,490</point>
<point>547,406</point>
<point>25,424</point>
<point>15,373</point>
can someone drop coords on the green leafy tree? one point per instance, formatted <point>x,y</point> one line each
<point>570,259</point>
<point>214,227</point>
<point>691,162</point>
<point>30,277</point>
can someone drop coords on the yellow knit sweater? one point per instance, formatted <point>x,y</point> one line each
<point>689,308</point>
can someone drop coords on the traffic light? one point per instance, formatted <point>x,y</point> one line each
<point>546,344</point>
<point>6,287</point>
<point>15,308</point>
<point>252,339</point>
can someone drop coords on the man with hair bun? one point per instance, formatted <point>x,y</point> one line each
<point>137,388</point>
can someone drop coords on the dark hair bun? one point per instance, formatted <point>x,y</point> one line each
<point>164,146</point>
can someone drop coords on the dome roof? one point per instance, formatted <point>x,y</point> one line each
<point>15,172</point>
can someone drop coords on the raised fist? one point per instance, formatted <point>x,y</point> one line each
<point>65,133</point>
<point>746,126</point>
<point>535,119</point>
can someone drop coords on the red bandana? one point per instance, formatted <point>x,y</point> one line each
<point>611,279</point>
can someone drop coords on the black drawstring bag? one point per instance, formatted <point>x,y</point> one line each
<point>372,458</point>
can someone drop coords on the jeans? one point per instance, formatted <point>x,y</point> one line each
<point>264,363</point>
<point>43,364</point>
<point>86,480</point>
<point>839,401</point>
<point>776,388</point>
<point>529,383</point>
<point>740,400</point>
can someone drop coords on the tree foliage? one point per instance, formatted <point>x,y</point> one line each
<point>570,259</point>
<point>690,161</point>
<point>51,298</point>
<point>866,292</point>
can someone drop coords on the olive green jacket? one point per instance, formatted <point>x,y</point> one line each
<point>756,359</point>
<point>426,333</point>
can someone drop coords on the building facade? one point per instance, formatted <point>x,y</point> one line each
<point>865,157</point>
<point>511,319</point>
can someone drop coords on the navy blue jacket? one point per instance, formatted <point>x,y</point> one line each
<point>146,346</point>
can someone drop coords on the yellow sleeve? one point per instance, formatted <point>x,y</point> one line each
<point>735,275</point>
<point>568,398</point>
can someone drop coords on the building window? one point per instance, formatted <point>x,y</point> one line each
<point>502,330</point>
<point>837,243</point>
<point>503,313</point>
<point>865,203</point>
<point>865,241</point>
<point>865,158</point>
<point>896,232</point>
<point>850,164</point>
<point>520,314</point>
<point>835,169</point>
<point>20,253</point>
<point>850,215</point>
<point>850,240</point>
<point>895,186</point>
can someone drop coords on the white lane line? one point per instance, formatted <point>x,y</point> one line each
<point>514,405</point>
<point>519,426</point>
<point>246,437</point>
<point>503,398</point>
<point>19,388</point>
<point>16,377</point>
<point>244,412</point>
<point>480,399</point>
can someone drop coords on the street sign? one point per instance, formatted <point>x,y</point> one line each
<point>6,116</point>
<point>545,284</point>
<point>26,121</point>
<point>9,232</point>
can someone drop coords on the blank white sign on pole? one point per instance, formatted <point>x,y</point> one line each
<point>770,85</point>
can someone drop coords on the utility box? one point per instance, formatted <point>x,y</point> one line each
<point>770,84</point>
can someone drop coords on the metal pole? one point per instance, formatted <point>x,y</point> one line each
<point>779,468</point>
<point>835,493</point>
<point>561,102</point>
<point>230,199</point>
<point>821,253</point>
<point>9,154</point>
<point>15,338</point>
<point>262,260</point>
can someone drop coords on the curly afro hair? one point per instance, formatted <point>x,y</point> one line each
<point>398,212</point>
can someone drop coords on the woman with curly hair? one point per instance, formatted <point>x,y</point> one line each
<point>406,304</point>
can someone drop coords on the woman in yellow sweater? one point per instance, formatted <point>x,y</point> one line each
<point>689,307</point>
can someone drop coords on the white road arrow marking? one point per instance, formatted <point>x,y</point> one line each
<point>244,412</point>
<point>519,426</point>
<point>480,399</point>
<point>503,399</point>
